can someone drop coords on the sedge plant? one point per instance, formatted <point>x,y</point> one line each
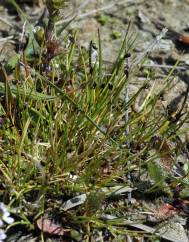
<point>63,134</point>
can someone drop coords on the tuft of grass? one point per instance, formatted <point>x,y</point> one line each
<point>63,134</point>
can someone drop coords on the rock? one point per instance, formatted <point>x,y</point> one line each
<point>173,231</point>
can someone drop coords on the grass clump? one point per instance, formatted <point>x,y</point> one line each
<point>73,145</point>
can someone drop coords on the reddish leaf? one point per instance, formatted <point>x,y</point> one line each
<point>47,226</point>
<point>165,211</point>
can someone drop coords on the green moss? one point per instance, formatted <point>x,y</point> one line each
<point>116,34</point>
<point>103,19</point>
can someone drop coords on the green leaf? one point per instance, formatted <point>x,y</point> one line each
<point>12,62</point>
<point>155,173</point>
<point>32,50</point>
<point>31,94</point>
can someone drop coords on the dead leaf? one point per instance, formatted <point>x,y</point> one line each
<point>47,226</point>
<point>164,148</point>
